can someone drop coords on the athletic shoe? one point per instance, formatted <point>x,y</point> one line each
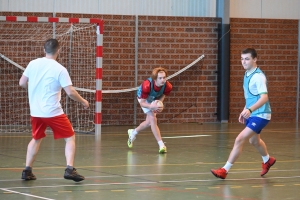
<point>130,140</point>
<point>219,173</point>
<point>27,175</point>
<point>163,150</point>
<point>266,166</point>
<point>73,175</point>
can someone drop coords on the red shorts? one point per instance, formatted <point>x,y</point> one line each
<point>60,125</point>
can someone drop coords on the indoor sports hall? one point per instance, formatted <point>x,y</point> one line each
<point>109,47</point>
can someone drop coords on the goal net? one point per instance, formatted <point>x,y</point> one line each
<point>22,41</point>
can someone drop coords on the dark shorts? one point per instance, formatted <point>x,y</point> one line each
<point>256,124</point>
<point>60,125</point>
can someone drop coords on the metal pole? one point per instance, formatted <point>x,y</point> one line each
<point>223,8</point>
<point>69,65</point>
<point>98,97</point>
<point>54,24</point>
<point>298,78</point>
<point>136,63</point>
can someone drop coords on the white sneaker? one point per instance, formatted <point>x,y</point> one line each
<point>130,138</point>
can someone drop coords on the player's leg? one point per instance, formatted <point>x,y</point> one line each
<point>239,143</point>
<point>145,124</point>
<point>133,132</point>
<point>62,128</point>
<point>70,149</point>
<point>235,152</point>
<point>32,150</point>
<point>259,144</point>
<point>38,133</point>
<point>151,117</point>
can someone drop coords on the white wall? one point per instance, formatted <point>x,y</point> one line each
<point>202,8</point>
<point>275,9</point>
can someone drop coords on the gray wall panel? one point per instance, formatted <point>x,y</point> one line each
<point>287,9</point>
<point>202,8</point>
<point>273,9</point>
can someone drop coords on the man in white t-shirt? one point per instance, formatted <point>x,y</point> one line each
<point>255,115</point>
<point>44,78</point>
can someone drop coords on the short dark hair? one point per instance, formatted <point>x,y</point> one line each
<point>155,72</point>
<point>51,46</point>
<point>251,51</point>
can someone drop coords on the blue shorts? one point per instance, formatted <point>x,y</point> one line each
<point>256,124</point>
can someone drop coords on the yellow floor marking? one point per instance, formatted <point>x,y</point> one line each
<point>91,191</point>
<point>296,184</point>
<point>278,185</point>
<point>117,190</point>
<point>191,188</point>
<point>256,186</point>
<point>213,187</point>
<point>143,190</point>
<point>235,186</point>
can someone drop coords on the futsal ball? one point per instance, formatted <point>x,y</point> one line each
<point>160,104</point>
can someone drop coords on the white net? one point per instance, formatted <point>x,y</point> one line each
<point>21,42</point>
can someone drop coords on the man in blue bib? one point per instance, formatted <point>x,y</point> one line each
<point>255,115</point>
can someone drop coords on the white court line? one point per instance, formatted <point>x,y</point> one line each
<point>156,182</point>
<point>187,136</point>
<point>78,185</point>
<point>203,173</point>
<point>227,179</point>
<point>25,194</point>
<point>169,174</point>
<point>174,174</point>
<point>112,176</point>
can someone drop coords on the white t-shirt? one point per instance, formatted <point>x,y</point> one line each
<point>258,85</point>
<point>46,78</point>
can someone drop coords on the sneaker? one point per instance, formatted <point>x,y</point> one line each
<point>266,166</point>
<point>130,140</point>
<point>27,175</point>
<point>163,150</point>
<point>73,175</point>
<point>219,173</point>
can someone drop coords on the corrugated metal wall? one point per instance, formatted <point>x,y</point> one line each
<point>287,9</point>
<point>272,9</point>
<point>202,8</point>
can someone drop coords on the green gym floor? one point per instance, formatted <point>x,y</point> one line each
<point>115,172</point>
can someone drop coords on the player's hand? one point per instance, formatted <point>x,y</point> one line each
<point>246,113</point>
<point>159,110</point>
<point>241,119</point>
<point>85,104</point>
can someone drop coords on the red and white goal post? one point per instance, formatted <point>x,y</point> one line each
<point>22,39</point>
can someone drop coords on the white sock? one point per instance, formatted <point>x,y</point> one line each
<point>227,166</point>
<point>133,134</point>
<point>161,144</point>
<point>265,158</point>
